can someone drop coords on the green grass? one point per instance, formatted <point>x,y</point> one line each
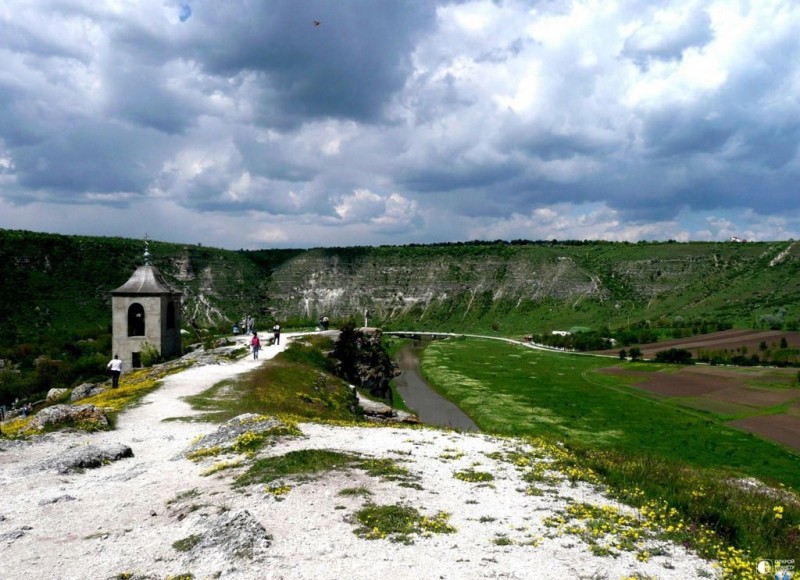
<point>303,463</point>
<point>355,492</point>
<point>307,463</point>
<point>650,452</point>
<point>187,543</point>
<point>398,523</point>
<point>472,476</point>
<point>520,391</point>
<point>296,383</point>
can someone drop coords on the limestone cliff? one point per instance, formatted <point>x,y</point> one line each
<point>394,284</point>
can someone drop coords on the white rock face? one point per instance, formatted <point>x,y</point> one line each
<point>394,284</point>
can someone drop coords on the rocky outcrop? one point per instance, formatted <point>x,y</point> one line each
<point>393,282</point>
<point>88,457</point>
<point>434,286</point>
<point>55,394</point>
<point>227,434</point>
<point>68,414</point>
<point>383,413</point>
<point>85,390</point>
<point>232,537</point>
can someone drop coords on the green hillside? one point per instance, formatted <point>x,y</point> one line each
<point>62,284</point>
<point>53,284</point>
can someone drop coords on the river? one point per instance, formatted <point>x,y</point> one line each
<point>429,406</point>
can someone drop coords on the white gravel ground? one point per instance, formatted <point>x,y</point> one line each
<point>123,518</point>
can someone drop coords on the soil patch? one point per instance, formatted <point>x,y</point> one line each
<point>784,429</point>
<point>686,383</point>
<point>757,397</point>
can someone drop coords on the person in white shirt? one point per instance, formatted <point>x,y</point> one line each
<point>116,370</point>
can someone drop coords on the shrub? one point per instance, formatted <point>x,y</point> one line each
<point>150,355</point>
<point>674,355</point>
<point>50,373</point>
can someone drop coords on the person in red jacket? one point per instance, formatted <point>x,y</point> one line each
<point>255,343</point>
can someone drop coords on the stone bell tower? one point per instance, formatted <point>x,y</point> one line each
<point>145,310</point>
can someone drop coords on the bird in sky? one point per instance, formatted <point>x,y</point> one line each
<point>316,22</point>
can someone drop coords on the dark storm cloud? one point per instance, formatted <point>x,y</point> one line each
<point>88,158</point>
<point>272,160</point>
<point>457,174</point>
<point>349,66</point>
<point>678,132</point>
<point>542,143</point>
<point>137,94</point>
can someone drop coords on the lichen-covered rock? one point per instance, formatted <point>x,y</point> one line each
<point>55,394</point>
<point>232,536</point>
<point>227,434</point>
<point>383,413</point>
<point>90,456</point>
<point>85,390</point>
<point>68,414</point>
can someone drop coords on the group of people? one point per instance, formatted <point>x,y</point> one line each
<point>247,324</point>
<point>24,410</point>
<point>255,342</point>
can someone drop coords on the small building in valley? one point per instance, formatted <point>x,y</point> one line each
<point>146,313</point>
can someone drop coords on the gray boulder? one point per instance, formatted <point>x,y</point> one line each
<point>54,394</point>
<point>230,537</point>
<point>61,414</point>
<point>226,435</point>
<point>85,390</point>
<point>90,456</point>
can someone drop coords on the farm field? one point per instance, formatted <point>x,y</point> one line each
<point>763,401</point>
<point>732,340</point>
<point>719,418</point>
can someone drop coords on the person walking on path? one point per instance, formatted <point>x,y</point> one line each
<point>276,332</point>
<point>256,344</point>
<point>116,370</point>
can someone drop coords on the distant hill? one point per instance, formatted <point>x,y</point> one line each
<point>53,283</point>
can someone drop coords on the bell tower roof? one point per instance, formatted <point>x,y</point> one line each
<point>146,279</point>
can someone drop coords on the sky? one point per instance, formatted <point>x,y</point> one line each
<point>318,123</point>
